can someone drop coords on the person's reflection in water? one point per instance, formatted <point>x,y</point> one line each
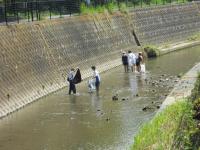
<point>141,79</point>
<point>96,102</point>
<point>72,99</point>
<point>133,84</point>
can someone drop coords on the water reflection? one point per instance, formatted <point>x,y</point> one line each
<point>133,83</point>
<point>96,101</point>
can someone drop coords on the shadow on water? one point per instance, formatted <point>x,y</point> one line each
<point>90,121</point>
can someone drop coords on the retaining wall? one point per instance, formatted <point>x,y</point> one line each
<point>166,24</point>
<point>35,57</point>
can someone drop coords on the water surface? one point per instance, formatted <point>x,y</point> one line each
<point>95,122</point>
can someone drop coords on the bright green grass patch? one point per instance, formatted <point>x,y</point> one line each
<point>93,10</point>
<point>163,131</point>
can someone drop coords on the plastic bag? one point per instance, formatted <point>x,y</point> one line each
<point>91,85</point>
<point>143,69</point>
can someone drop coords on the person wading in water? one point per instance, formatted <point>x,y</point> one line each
<point>74,77</point>
<point>96,76</point>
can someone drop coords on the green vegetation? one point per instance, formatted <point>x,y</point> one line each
<point>99,9</point>
<point>177,127</point>
<point>195,137</point>
<point>151,51</point>
<point>163,132</point>
<point>196,91</point>
<point>194,37</point>
<point>123,7</point>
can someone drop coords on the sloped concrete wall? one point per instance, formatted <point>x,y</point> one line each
<point>36,57</point>
<point>166,24</point>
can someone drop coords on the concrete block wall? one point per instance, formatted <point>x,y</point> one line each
<point>166,24</point>
<point>35,57</point>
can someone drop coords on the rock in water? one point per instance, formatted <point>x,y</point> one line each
<point>115,98</point>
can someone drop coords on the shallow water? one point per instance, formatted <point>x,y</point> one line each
<point>87,121</point>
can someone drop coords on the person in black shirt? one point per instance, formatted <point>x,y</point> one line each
<point>139,60</point>
<point>125,61</point>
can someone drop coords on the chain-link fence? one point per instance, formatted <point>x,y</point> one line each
<point>15,11</point>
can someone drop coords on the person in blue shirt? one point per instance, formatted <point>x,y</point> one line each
<point>96,76</point>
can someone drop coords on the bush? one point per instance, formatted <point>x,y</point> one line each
<point>197,104</point>
<point>151,51</point>
<point>196,91</point>
<point>123,8</point>
<point>111,7</point>
<point>168,130</point>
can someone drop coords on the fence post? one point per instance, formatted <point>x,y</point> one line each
<point>28,8</point>
<point>60,12</point>
<point>49,9</point>
<point>31,11</point>
<point>141,3</point>
<point>36,7</point>
<point>17,13</point>
<point>5,9</point>
<point>118,4</point>
<point>39,10</point>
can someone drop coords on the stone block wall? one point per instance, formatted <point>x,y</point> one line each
<point>35,57</point>
<point>166,24</point>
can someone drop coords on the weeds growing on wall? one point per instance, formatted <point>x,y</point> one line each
<point>196,91</point>
<point>194,37</point>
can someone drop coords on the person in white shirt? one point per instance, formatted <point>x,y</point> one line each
<point>96,76</point>
<point>131,60</point>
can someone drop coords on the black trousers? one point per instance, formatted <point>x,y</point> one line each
<point>72,87</point>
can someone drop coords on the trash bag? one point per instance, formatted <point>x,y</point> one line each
<point>91,85</point>
<point>143,69</point>
<point>77,78</point>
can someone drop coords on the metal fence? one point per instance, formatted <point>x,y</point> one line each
<point>12,11</point>
<point>37,10</point>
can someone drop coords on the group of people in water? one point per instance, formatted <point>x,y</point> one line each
<point>132,61</point>
<point>74,77</point>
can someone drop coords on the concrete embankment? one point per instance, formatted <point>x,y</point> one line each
<point>35,57</point>
<point>178,46</point>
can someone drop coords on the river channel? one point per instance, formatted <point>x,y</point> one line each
<point>95,122</point>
